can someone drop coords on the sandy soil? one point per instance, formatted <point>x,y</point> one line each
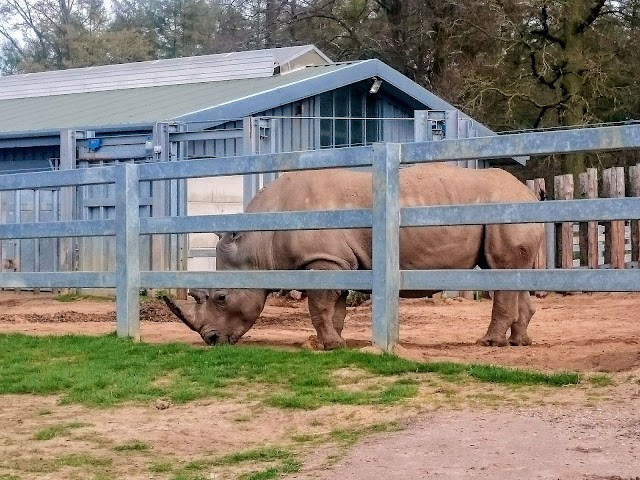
<point>572,435</point>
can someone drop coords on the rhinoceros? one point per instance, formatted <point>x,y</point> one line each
<point>225,315</point>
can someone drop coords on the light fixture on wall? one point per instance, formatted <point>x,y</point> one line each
<point>375,86</point>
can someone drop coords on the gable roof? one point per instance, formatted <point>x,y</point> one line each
<point>212,100</point>
<point>175,71</point>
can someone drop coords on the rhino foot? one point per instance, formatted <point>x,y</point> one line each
<point>523,340</point>
<point>493,341</point>
<point>334,344</point>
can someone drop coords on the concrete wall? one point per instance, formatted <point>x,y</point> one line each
<point>209,196</point>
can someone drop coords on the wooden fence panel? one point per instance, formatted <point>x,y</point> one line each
<point>563,190</point>
<point>634,191</point>
<point>588,188</point>
<point>538,187</point>
<point>613,187</point>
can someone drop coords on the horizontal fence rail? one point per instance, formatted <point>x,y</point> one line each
<point>524,144</point>
<point>57,280</point>
<point>75,228</point>
<point>59,178</point>
<point>538,212</point>
<point>263,163</point>
<point>385,218</point>
<point>515,280</point>
<point>237,222</point>
<point>269,279</point>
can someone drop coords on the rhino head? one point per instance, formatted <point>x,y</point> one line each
<point>221,315</point>
<point>224,315</point>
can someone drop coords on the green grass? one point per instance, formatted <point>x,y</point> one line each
<point>160,467</point>
<point>601,380</point>
<point>73,297</point>
<point>52,431</point>
<point>351,436</point>
<point>133,446</point>
<point>48,465</point>
<point>106,371</point>
<point>279,462</point>
<point>256,455</point>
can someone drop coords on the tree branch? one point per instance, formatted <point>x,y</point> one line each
<point>594,13</point>
<point>544,31</point>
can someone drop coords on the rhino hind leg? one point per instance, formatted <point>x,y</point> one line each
<point>340,312</point>
<point>519,336</point>
<point>510,246</point>
<point>325,309</point>
<point>503,315</point>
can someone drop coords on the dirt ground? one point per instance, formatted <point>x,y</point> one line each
<point>574,435</point>
<point>583,332</point>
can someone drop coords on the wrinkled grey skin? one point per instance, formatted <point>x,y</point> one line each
<point>224,315</point>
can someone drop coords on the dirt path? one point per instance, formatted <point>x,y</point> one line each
<point>578,444</point>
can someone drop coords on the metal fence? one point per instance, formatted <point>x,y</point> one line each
<point>385,218</point>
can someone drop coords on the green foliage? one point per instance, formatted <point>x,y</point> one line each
<point>355,299</point>
<point>105,371</point>
<point>161,294</point>
<point>73,297</point>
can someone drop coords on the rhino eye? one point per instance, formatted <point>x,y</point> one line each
<point>221,297</point>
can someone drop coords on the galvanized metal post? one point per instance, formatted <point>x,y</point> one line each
<point>420,125</point>
<point>127,251</point>
<point>386,244</point>
<point>67,198</point>
<point>550,231</point>
<point>251,181</point>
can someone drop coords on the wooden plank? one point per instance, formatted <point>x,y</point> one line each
<point>613,187</point>
<point>563,190</point>
<point>588,188</point>
<point>634,183</point>
<point>538,187</point>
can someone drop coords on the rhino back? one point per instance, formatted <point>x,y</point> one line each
<point>420,247</point>
<point>425,184</point>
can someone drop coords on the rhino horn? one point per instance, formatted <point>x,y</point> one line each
<point>178,312</point>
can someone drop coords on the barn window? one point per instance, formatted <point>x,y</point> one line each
<point>350,117</point>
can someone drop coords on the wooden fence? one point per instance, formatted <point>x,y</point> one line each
<point>593,244</point>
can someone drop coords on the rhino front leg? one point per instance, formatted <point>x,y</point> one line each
<point>526,310</point>
<point>503,315</point>
<point>326,311</point>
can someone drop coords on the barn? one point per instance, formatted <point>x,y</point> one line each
<point>262,101</point>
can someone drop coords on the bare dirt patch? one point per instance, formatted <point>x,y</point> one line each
<point>452,431</point>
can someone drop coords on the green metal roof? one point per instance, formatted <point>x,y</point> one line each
<point>137,105</point>
<point>139,108</point>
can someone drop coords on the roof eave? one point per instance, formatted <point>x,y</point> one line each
<point>50,136</point>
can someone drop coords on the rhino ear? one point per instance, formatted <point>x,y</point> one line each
<point>232,236</point>
<point>200,295</point>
